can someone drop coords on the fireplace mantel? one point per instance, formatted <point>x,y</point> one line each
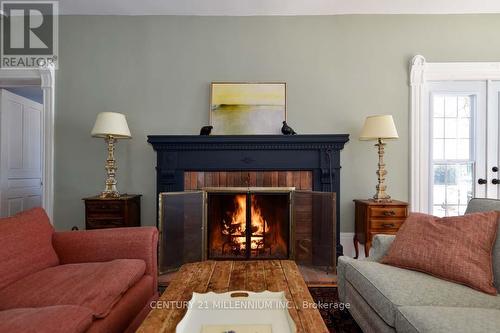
<point>319,153</point>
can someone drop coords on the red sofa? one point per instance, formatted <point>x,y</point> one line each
<point>77,281</point>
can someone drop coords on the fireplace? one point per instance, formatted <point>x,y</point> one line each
<point>248,225</point>
<point>237,223</point>
<point>188,164</point>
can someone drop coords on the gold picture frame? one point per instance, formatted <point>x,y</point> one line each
<point>247,108</point>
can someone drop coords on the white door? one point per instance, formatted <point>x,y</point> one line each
<point>20,153</point>
<point>464,118</point>
<point>493,147</point>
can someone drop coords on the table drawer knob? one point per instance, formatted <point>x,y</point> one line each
<point>389,213</point>
<point>388,225</point>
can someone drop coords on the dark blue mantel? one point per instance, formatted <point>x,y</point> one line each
<point>319,153</point>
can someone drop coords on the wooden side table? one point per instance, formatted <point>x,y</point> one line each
<point>377,218</point>
<point>124,211</point>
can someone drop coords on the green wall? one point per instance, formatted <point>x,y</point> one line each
<point>157,70</point>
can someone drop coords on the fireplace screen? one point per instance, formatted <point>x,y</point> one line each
<point>247,223</point>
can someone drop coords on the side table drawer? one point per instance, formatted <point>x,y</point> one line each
<point>100,208</point>
<point>387,212</point>
<point>99,223</point>
<point>119,212</point>
<point>386,224</point>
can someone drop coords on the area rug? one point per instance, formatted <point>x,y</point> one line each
<point>336,317</point>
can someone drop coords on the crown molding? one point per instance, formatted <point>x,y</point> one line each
<point>275,7</point>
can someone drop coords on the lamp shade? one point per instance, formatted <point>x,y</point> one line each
<point>379,127</point>
<point>111,123</point>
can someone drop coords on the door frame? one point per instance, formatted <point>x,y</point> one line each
<point>421,74</point>
<point>45,79</point>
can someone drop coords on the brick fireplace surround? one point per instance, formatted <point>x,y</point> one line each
<point>306,162</point>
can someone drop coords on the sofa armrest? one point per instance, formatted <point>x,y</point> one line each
<point>108,244</point>
<point>380,246</point>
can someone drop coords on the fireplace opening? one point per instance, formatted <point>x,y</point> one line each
<point>241,223</point>
<point>248,225</point>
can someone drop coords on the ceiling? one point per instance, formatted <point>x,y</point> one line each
<point>274,7</point>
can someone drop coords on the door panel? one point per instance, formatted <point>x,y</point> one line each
<point>13,121</point>
<point>20,153</point>
<point>181,223</point>
<point>493,149</point>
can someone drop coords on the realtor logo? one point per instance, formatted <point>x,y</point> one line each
<point>29,34</point>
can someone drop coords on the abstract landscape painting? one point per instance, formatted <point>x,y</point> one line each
<point>247,108</point>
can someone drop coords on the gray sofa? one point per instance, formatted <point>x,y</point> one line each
<point>389,299</point>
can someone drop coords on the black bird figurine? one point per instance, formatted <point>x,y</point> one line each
<point>205,130</point>
<point>287,130</point>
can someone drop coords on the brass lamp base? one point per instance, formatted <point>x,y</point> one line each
<point>110,190</point>
<point>381,195</point>
<point>386,199</point>
<point>108,195</point>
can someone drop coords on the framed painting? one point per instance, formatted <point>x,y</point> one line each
<point>247,108</point>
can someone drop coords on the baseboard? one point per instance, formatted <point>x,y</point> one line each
<point>348,245</point>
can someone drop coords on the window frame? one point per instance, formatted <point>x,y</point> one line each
<point>450,91</point>
<point>421,75</point>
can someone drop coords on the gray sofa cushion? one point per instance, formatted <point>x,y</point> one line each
<point>423,319</point>
<point>485,205</point>
<point>365,317</point>
<point>385,288</point>
<point>342,264</point>
<point>380,246</point>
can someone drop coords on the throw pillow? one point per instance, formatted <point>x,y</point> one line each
<point>457,249</point>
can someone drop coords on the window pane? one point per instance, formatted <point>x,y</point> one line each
<point>438,149</point>
<point>463,148</point>
<point>464,105</point>
<point>465,183</point>
<point>439,211</point>
<point>464,128</point>
<point>450,149</point>
<point>438,128</point>
<point>450,106</point>
<point>450,129</point>
<point>452,194</point>
<point>452,188</point>
<point>440,175</point>
<point>439,195</point>
<point>438,106</point>
<point>451,210</point>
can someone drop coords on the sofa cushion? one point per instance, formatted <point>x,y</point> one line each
<point>97,286</point>
<point>484,205</point>
<point>134,303</point>
<point>26,245</point>
<point>455,248</point>
<point>385,288</point>
<point>447,319</point>
<point>49,319</point>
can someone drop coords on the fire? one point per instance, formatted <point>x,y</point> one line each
<point>237,225</point>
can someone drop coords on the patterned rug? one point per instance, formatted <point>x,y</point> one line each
<point>336,318</point>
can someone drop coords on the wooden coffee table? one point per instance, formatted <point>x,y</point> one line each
<point>223,276</point>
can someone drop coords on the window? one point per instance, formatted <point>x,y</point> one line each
<point>452,153</point>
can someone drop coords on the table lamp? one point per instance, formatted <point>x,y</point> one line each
<point>110,126</point>
<point>380,128</point>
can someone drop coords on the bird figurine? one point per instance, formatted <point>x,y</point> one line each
<point>287,130</point>
<point>205,130</point>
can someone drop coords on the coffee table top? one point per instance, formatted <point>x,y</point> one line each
<point>223,276</point>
